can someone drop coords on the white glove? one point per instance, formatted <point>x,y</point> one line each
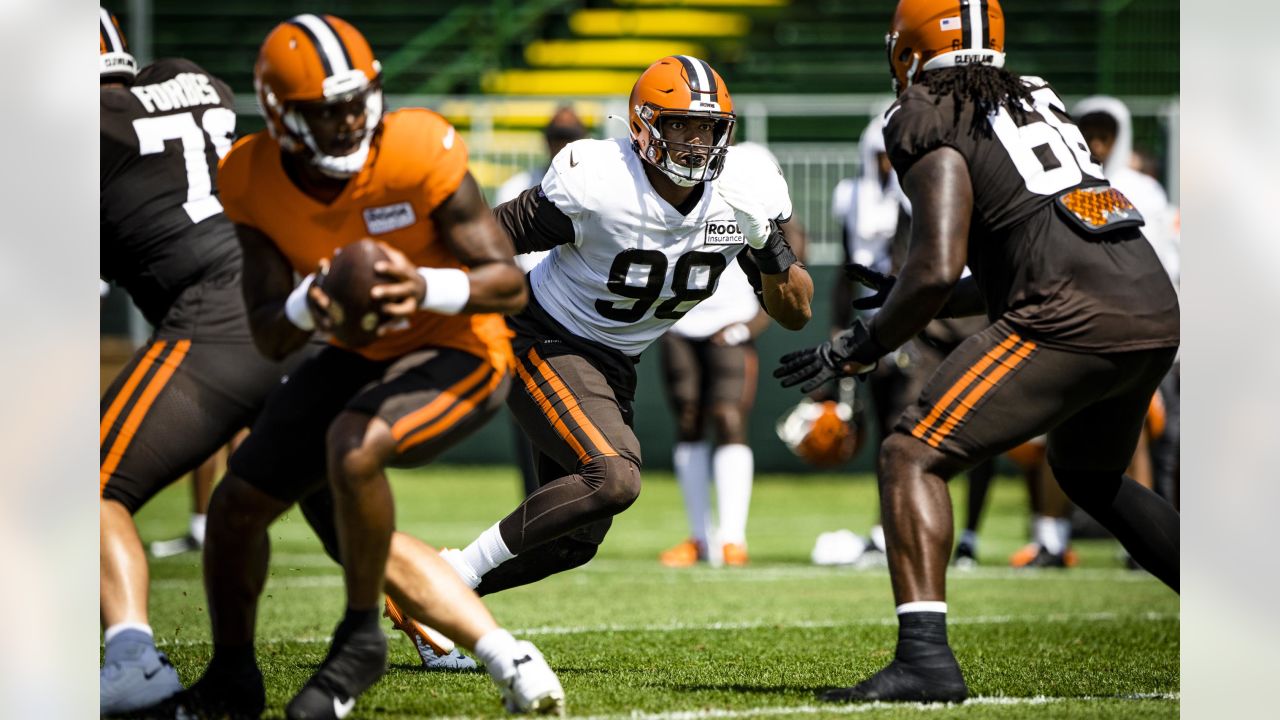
<point>753,220</point>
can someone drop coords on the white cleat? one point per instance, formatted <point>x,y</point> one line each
<point>527,683</point>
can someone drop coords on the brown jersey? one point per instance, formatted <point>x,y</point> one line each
<point>417,163</point>
<point>1060,284</point>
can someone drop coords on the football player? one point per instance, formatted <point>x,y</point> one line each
<point>1085,321</point>
<point>330,169</point>
<point>640,231</point>
<point>198,379</point>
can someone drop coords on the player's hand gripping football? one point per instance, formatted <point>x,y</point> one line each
<point>868,278</point>
<point>832,359</point>
<point>318,301</point>
<point>402,294</point>
<point>753,220</point>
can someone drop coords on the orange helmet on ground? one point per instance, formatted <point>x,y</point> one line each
<point>316,66</point>
<point>823,434</point>
<point>681,86</point>
<point>932,34</point>
<point>115,64</point>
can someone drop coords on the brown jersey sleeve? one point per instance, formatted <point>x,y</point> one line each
<point>534,222</point>
<point>915,125</point>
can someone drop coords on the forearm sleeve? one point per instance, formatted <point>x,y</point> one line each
<point>534,222</point>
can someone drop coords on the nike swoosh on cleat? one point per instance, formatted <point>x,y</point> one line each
<point>572,162</point>
<point>521,661</point>
<point>342,709</point>
<point>148,675</point>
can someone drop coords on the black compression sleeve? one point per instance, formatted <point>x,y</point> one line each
<point>534,222</point>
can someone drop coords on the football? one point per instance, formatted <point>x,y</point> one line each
<point>356,315</point>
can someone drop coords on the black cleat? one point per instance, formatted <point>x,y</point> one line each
<point>355,662</point>
<point>966,558</point>
<point>903,682</point>
<point>215,696</point>
<point>1046,559</point>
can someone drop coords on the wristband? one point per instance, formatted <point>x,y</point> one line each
<point>296,308</point>
<point>736,334</point>
<point>776,255</point>
<point>448,290</point>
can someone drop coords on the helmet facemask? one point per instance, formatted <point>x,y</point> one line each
<point>317,126</point>
<point>686,163</point>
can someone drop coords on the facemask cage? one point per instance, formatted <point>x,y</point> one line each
<point>295,134</point>
<point>660,151</point>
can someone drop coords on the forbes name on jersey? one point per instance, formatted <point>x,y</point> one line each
<point>636,264</point>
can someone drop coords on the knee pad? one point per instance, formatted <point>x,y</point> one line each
<point>617,480</point>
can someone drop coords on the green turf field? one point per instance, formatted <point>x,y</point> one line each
<point>632,639</point>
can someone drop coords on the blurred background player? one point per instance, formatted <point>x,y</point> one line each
<point>875,220</point>
<point>641,228</point>
<point>198,379</point>
<point>710,369</point>
<point>563,128</point>
<point>438,369</point>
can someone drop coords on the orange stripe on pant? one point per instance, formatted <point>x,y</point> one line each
<point>548,409</point>
<point>571,405</point>
<point>1007,365</point>
<point>131,423</point>
<point>425,414</point>
<point>460,410</point>
<point>122,398</point>
<point>935,413</point>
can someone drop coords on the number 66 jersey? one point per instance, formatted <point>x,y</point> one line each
<point>1055,250</point>
<point>626,265</point>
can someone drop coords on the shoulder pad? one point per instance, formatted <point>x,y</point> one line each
<point>752,166</point>
<point>576,168</point>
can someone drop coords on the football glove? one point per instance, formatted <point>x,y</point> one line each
<point>852,352</point>
<point>868,278</point>
<point>757,227</point>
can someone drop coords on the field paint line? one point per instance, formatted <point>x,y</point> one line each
<point>553,630</point>
<point>857,708</point>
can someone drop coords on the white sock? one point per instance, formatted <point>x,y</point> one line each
<point>1046,534</point>
<point>968,537</point>
<point>922,606</point>
<point>485,553</point>
<point>693,469</point>
<point>495,645</point>
<point>118,628</point>
<point>877,537</point>
<point>454,557</point>
<point>733,467</point>
<point>1063,526</point>
<point>196,528</point>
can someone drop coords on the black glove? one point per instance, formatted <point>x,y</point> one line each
<point>816,365</point>
<point>873,280</point>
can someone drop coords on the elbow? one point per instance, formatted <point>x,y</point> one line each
<point>516,294</point>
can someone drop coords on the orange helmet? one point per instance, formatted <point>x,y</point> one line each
<point>931,34</point>
<point>823,434</point>
<point>115,64</point>
<point>311,63</point>
<point>683,86</point>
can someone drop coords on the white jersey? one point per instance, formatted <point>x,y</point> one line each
<point>734,301</point>
<point>637,265</point>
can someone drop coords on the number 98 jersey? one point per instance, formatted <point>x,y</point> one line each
<point>162,226</point>
<point>636,264</point>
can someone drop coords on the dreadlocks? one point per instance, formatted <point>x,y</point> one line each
<point>988,88</point>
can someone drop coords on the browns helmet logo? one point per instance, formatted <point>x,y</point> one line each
<point>311,65</point>
<point>681,86</point>
<point>115,64</point>
<point>932,34</point>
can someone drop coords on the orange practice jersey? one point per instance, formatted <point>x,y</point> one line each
<point>417,164</point>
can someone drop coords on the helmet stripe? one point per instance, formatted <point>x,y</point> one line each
<point>701,80</point>
<point>966,25</point>
<point>986,25</point>
<point>346,54</point>
<point>974,16</point>
<point>114,40</point>
<point>333,54</point>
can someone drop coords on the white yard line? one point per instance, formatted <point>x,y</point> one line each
<point>856,708</point>
<point>761,625</point>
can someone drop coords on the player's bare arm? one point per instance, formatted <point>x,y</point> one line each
<point>268,286</point>
<point>788,296</point>
<point>495,283</point>
<point>940,191</point>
